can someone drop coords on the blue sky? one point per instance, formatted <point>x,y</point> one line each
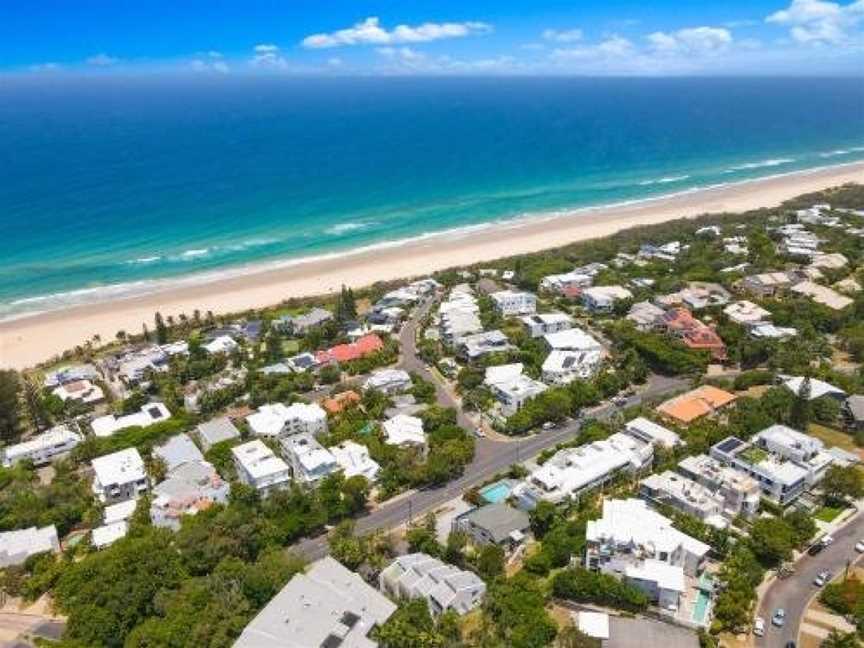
<point>433,37</point>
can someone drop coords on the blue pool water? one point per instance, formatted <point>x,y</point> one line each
<point>497,492</point>
<point>700,610</point>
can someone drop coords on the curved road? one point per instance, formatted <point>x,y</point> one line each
<point>490,456</point>
<point>793,594</point>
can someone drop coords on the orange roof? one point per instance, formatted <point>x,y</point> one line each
<point>696,403</point>
<point>340,401</point>
<point>345,352</point>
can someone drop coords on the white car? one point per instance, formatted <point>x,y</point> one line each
<point>827,541</point>
<point>759,627</point>
<point>779,617</point>
<point>478,432</point>
<point>822,578</point>
<point>859,546</point>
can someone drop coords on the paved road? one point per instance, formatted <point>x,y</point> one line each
<point>794,593</point>
<point>490,456</point>
<point>15,624</point>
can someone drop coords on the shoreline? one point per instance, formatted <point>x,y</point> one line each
<point>29,339</point>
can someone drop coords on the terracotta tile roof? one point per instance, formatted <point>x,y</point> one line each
<point>353,351</point>
<point>340,401</point>
<point>696,403</point>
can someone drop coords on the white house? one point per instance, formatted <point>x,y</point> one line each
<point>329,606</point>
<point>476,346</point>
<point>572,339</point>
<point>746,313</point>
<point>802,449</point>
<point>684,494</point>
<point>42,448</point>
<point>601,299</point>
<point>216,431</point>
<point>17,546</point>
<point>79,390</point>
<point>740,492</point>
<point>178,450</point>
<point>573,471</point>
<point>444,587</point>
<point>106,426</point>
<point>645,315</point>
<point>389,381</point>
<point>406,431</point>
<point>562,367</point>
<point>353,458</point>
<point>274,420</point>
<point>310,461</point>
<point>221,344</point>
<point>259,467</point>
<point>637,544</point>
<point>648,431</point>
<point>511,387</point>
<point>818,388</point>
<point>108,534</point>
<point>542,324</point>
<point>119,476</point>
<point>512,302</point>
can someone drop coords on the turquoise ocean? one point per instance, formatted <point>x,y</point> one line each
<point>111,187</point>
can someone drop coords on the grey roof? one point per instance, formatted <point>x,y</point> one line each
<point>220,429</point>
<point>856,407</point>
<point>327,606</point>
<point>178,450</point>
<point>314,317</point>
<point>499,520</point>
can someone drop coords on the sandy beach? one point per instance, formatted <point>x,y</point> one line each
<point>29,340</point>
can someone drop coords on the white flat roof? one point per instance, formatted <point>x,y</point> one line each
<point>593,624</point>
<point>119,467</point>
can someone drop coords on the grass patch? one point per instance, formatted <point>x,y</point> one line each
<point>831,437</point>
<point>753,455</point>
<point>290,347</point>
<point>828,513</point>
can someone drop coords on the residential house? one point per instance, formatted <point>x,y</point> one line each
<point>512,302</point>
<point>511,388</point>
<point>681,324</point>
<point>574,471</point>
<point>633,542</point>
<point>833,261</point>
<point>389,381</point>
<point>816,388</point>
<point>42,448</point>
<point>572,339</point>
<point>362,347</point>
<point>222,344</point>
<point>404,431</point>
<point>476,346</point>
<point>354,460</point>
<point>781,480</point>
<point>696,296</point>
<point>769,284</point>
<point>327,607</point>
<point>17,546</point>
<point>70,374</point>
<point>771,332</point>
<point>310,461</point>
<point>686,495</point>
<point>855,411</point>
<point>695,404</point>
<point>822,295</point>
<point>150,414</point>
<point>602,299</point>
<point>108,534</point>
<point>178,450</point>
<point>802,449</point>
<point>666,252</point>
<point>648,431</point>
<point>341,401</point>
<point>499,524</point>
<point>216,431</point>
<point>562,367</point>
<point>276,419</point>
<point>739,491</point>
<point>302,324</point>
<point>189,488</point>
<point>82,391</point>
<point>542,324</point>
<point>645,315</point>
<point>119,476</point>
<point>444,587</point>
<point>746,313</point>
<point>259,467</point>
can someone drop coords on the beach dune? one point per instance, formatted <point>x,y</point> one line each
<point>36,338</point>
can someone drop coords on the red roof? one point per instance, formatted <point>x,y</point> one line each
<point>364,346</point>
<point>571,292</point>
<point>693,333</point>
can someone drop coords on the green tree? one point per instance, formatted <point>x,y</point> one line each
<point>542,518</point>
<point>490,562</point>
<point>572,637</point>
<point>841,483</point>
<point>837,639</point>
<point>410,626</point>
<point>772,540</point>
<point>10,388</point>
<point>161,329</point>
<point>800,414</point>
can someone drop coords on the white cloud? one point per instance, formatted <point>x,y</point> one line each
<point>268,56</point>
<point>401,53</point>
<point>370,32</point>
<point>50,66</point>
<point>102,60</point>
<point>334,61</point>
<point>566,36</point>
<point>213,65</point>
<point>214,54</point>
<point>695,40</point>
<point>820,22</point>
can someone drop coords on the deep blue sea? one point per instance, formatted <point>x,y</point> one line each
<point>109,184</point>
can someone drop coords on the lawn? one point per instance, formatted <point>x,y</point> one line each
<point>290,347</point>
<point>828,513</point>
<point>831,437</point>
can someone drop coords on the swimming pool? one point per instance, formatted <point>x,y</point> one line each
<point>497,492</point>
<point>700,609</point>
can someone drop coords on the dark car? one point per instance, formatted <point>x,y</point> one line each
<point>815,549</point>
<point>790,644</point>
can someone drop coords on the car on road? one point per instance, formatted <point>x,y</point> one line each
<point>827,541</point>
<point>759,627</point>
<point>790,644</point>
<point>478,432</point>
<point>779,617</point>
<point>548,425</point>
<point>822,578</point>
<point>859,546</point>
<point>815,548</point>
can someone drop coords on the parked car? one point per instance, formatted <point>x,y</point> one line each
<point>759,627</point>
<point>478,432</point>
<point>827,541</point>
<point>822,578</point>
<point>779,617</point>
<point>859,546</point>
<point>548,425</point>
<point>815,548</point>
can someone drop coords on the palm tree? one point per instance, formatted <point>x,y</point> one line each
<point>838,639</point>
